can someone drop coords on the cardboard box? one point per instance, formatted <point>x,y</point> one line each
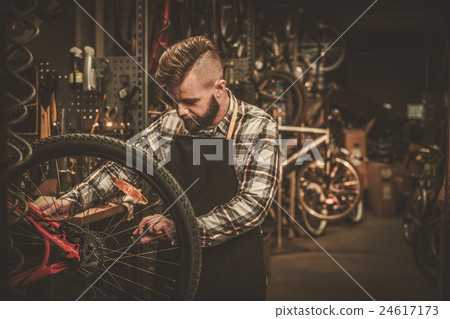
<point>381,189</point>
<point>355,142</point>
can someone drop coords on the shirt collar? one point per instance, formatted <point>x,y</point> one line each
<point>225,122</point>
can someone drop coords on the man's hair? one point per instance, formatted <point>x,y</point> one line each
<point>197,54</point>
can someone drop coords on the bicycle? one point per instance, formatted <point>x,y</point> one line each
<point>316,38</point>
<point>426,247</point>
<point>228,18</point>
<point>328,187</point>
<point>424,196</point>
<point>292,49</point>
<point>91,254</point>
<point>274,74</point>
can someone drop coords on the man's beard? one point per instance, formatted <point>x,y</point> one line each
<point>203,121</point>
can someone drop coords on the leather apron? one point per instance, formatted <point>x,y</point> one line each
<point>234,269</point>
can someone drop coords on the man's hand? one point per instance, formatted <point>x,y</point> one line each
<point>58,208</point>
<point>157,225</point>
<point>441,198</point>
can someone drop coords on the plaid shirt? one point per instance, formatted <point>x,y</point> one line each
<point>256,164</point>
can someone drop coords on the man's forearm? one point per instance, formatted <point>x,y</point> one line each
<point>98,187</point>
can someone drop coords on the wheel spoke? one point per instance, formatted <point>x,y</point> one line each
<point>139,285</point>
<point>142,269</point>
<point>103,239</point>
<point>128,255</point>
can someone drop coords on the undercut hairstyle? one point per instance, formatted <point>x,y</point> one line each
<point>195,54</point>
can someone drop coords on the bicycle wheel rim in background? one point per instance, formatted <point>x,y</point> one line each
<point>294,96</point>
<point>353,180</point>
<point>312,225</point>
<point>356,215</point>
<point>426,248</point>
<point>189,255</point>
<point>414,214</point>
<point>316,41</point>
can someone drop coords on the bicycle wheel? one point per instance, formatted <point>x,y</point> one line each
<point>414,214</point>
<point>271,88</point>
<point>193,19</point>
<point>102,232</point>
<point>227,19</point>
<point>357,214</point>
<point>426,248</point>
<point>341,189</point>
<point>315,226</point>
<point>316,42</point>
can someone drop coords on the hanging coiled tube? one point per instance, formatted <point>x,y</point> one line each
<point>20,31</point>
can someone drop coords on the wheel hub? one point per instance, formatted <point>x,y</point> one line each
<point>91,252</point>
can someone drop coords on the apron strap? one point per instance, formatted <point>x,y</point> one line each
<point>233,119</point>
<point>232,122</point>
<point>181,129</point>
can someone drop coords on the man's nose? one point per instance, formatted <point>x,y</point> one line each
<point>182,110</point>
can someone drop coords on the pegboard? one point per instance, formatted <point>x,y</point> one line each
<point>81,107</point>
<point>124,67</point>
<point>121,66</point>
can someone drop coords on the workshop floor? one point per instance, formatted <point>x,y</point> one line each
<point>374,253</point>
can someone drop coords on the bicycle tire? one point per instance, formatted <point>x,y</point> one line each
<point>228,27</point>
<point>414,214</point>
<point>162,183</point>
<point>357,214</point>
<point>314,41</point>
<point>426,248</point>
<point>314,226</point>
<point>349,177</point>
<point>295,95</point>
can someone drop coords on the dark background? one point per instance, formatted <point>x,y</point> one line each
<point>395,51</point>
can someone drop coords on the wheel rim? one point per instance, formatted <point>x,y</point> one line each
<point>342,191</point>
<point>357,214</point>
<point>315,42</point>
<point>427,248</point>
<point>151,271</point>
<point>314,225</point>
<point>414,214</point>
<point>270,89</point>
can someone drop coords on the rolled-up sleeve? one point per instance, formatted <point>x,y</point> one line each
<point>98,187</point>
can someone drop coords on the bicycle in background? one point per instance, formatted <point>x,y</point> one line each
<point>324,184</point>
<point>427,159</point>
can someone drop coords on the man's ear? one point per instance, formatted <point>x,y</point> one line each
<point>220,86</point>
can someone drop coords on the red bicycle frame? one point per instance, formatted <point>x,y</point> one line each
<point>58,239</point>
<point>160,37</point>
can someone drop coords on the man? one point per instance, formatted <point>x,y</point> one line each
<point>230,201</point>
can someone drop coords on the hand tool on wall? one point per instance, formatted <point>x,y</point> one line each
<point>76,76</point>
<point>126,96</point>
<point>97,117</point>
<point>110,115</point>
<point>89,82</point>
<point>47,87</point>
<point>109,120</point>
<point>102,71</point>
